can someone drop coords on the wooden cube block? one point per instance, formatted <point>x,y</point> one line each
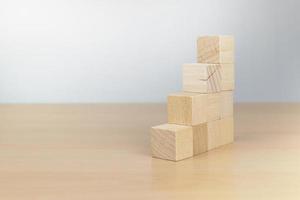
<point>227,130</point>
<point>193,108</point>
<point>213,107</point>
<point>202,78</point>
<point>227,76</point>
<point>172,142</point>
<point>213,134</point>
<point>226,104</point>
<point>215,49</point>
<point>200,138</point>
<point>220,132</point>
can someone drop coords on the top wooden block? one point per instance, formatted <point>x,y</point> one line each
<point>215,49</point>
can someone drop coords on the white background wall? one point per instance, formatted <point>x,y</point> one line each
<point>132,50</point>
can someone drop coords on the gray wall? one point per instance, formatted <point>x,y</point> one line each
<point>132,50</point>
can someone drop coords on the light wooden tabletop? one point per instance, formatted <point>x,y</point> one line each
<point>101,151</point>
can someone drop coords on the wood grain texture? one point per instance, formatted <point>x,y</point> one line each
<point>215,49</point>
<point>102,151</point>
<point>172,142</point>
<point>202,78</point>
<point>226,104</point>
<point>193,108</point>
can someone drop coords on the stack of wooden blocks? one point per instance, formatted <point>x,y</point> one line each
<point>200,118</point>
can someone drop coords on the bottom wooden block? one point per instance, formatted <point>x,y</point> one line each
<point>172,142</point>
<point>212,134</point>
<point>200,138</point>
<point>220,132</point>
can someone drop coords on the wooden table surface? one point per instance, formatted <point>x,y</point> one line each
<point>101,151</point>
